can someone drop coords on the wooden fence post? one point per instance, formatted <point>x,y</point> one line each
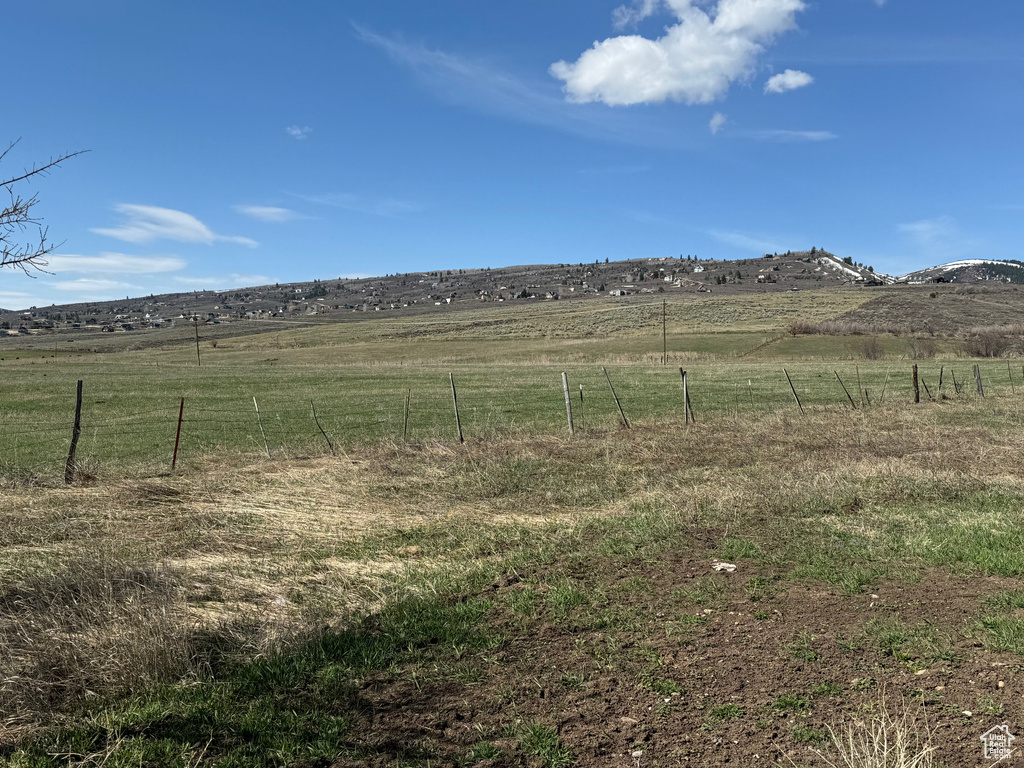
<point>942,369</point>
<point>455,402</point>
<point>315,419</point>
<point>793,390</point>
<point>177,435</point>
<point>1013,390</point>
<point>884,385</point>
<point>956,387</point>
<point>852,404</point>
<point>625,423</point>
<point>977,379</point>
<point>568,403</point>
<point>260,420</point>
<point>913,381</point>
<point>860,390</point>
<point>76,432</point>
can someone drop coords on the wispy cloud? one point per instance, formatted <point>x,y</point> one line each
<point>115,263</point>
<point>92,286</point>
<point>380,206</point>
<point>268,213</point>
<point>717,122</point>
<point>789,80</point>
<point>626,16</point>
<point>145,223</point>
<point>792,136</point>
<point>480,86</point>
<point>221,282</point>
<point>746,242</point>
<point>694,62</point>
<point>298,132</point>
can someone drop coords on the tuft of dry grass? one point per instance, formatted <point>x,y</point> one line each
<point>894,737</point>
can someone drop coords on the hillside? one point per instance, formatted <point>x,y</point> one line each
<point>445,290</point>
<point>970,271</point>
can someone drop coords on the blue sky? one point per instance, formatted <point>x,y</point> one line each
<point>236,143</point>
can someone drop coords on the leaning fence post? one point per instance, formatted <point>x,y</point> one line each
<point>76,432</point>
<point>568,403</point>
<point>793,389</point>
<point>315,419</point>
<point>455,402</point>
<point>1013,390</point>
<point>625,423</point>
<point>913,381</point>
<point>177,435</point>
<point>852,404</point>
<point>260,420</point>
<point>977,378</point>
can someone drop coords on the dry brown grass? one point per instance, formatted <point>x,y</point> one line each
<point>109,587</point>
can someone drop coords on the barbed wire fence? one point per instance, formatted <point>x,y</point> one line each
<point>36,445</point>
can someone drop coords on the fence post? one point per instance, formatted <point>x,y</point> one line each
<point>568,403</point>
<point>405,422</point>
<point>625,423</point>
<point>977,378</point>
<point>852,404</point>
<point>793,389</point>
<point>687,407</point>
<point>583,423</point>
<point>177,435</point>
<point>195,322</point>
<point>455,402</point>
<point>913,381</point>
<point>1013,390</point>
<point>329,443</point>
<point>260,420</point>
<point>76,432</point>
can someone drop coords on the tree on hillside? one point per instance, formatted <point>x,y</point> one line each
<point>16,219</point>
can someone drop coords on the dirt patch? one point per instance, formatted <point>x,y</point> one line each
<point>690,667</point>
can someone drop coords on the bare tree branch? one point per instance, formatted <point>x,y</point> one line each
<point>16,218</point>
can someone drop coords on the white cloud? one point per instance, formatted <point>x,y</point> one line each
<point>629,15</point>
<point>222,282</point>
<point>91,286</point>
<point>695,62</point>
<point>793,136</point>
<point>479,86</point>
<point>145,223</point>
<point>267,213</point>
<point>789,80</point>
<point>115,263</point>
<point>298,132</point>
<point>383,206</point>
<point>718,121</point>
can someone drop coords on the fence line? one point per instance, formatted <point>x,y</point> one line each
<point>162,435</point>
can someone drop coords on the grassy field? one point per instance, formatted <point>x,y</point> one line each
<point>528,598</point>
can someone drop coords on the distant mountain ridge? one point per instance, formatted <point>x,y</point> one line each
<point>970,271</point>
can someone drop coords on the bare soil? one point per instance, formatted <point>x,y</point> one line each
<point>801,641</point>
